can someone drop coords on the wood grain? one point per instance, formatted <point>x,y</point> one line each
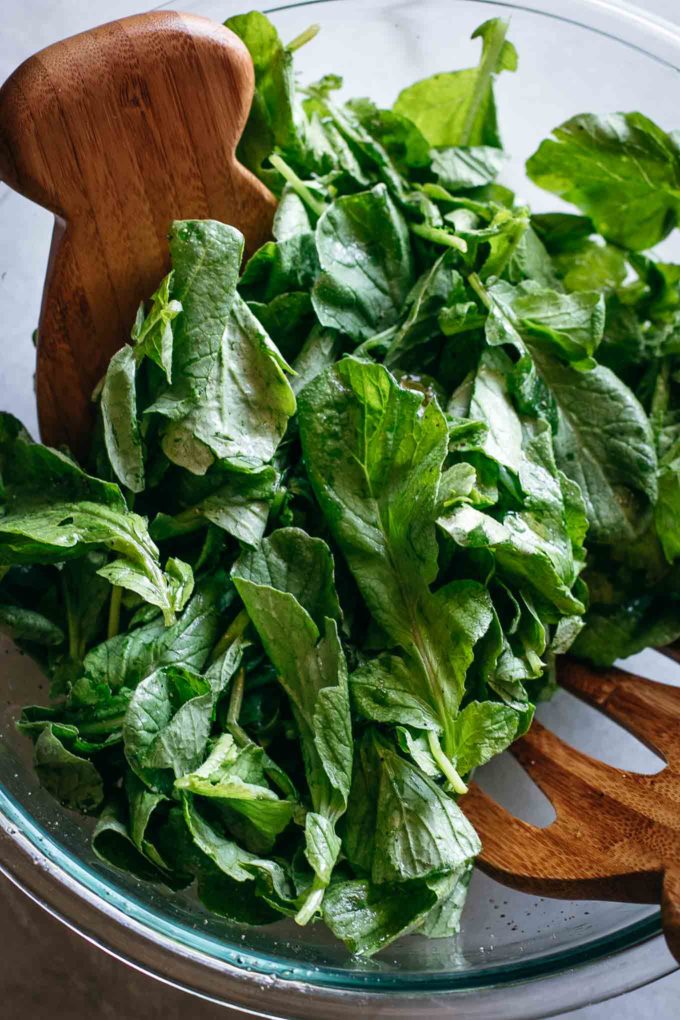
<point>118,131</point>
<point>617,834</point>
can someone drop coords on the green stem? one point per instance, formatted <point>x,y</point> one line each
<point>114,611</point>
<point>236,700</point>
<point>303,38</point>
<point>446,766</point>
<point>312,903</point>
<point>480,290</point>
<point>485,72</point>
<point>233,631</point>
<point>439,236</point>
<point>298,186</point>
<point>103,726</point>
<point>73,636</point>
<point>240,735</point>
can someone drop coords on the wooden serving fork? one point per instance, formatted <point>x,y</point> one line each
<point>119,131</point>
<point>617,834</point>
<point>122,129</point>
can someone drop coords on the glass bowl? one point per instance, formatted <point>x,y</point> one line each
<point>517,956</point>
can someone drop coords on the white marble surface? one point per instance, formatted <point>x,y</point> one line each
<point>45,971</point>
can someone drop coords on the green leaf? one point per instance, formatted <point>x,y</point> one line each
<point>368,917</point>
<point>288,590</point>
<point>73,781</point>
<point>230,399</point>
<point>365,255</point>
<point>591,266</point>
<point>432,835</point>
<point>319,350</point>
<point>152,333</point>
<point>287,319</point>
<point>290,561</point>
<point>437,296</point>
<point>291,217</point>
<point>621,170</point>
<point>604,443</point>
<point>374,452</point>
<point>35,476</point>
<point>381,690</point>
<point>459,168</point>
<point>113,844</point>
<point>667,510</point>
<point>443,921</point>
<point>234,501</point>
<point>570,325</point>
<point>481,731</point>
<point>236,778</point>
<point>562,232</point>
<point>271,116</point>
<point>165,728</point>
<point>490,403</point>
<point>227,855</point>
<point>399,136</point>
<point>538,547</point>
<point>279,267</point>
<point>126,659</point>
<point>27,625</point>
<point>119,413</point>
<point>642,622</point>
<point>61,530</point>
<point>603,439</point>
<point>459,108</point>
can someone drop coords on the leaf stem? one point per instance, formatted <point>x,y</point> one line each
<point>304,37</point>
<point>439,236</point>
<point>480,290</point>
<point>312,903</point>
<point>298,186</point>
<point>235,702</point>
<point>73,636</point>
<point>114,612</point>
<point>102,726</point>
<point>446,766</point>
<point>241,737</point>
<point>485,72</point>
<point>233,631</point>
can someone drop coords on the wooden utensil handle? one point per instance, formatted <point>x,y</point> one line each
<point>118,131</point>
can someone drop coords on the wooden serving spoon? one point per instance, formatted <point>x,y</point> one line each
<point>120,130</point>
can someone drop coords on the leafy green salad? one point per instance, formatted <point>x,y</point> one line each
<point>349,501</point>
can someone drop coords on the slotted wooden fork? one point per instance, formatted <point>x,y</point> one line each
<point>122,129</point>
<point>617,834</point>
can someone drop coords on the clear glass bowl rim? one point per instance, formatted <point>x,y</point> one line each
<point>38,864</point>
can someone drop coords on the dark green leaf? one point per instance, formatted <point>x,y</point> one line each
<point>365,255</point>
<point>74,781</point>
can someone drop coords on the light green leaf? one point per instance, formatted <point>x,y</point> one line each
<point>621,170</point>
<point>119,414</point>
<point>459,108</point>
<point>481,731</point>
